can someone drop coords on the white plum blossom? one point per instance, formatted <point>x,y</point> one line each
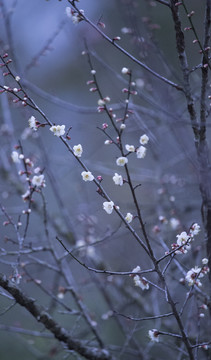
<point>195,229</point>
<point>37,170</point>
<point>87,176</point>
<point>68,12</point>
<point>26,195</point>
<point>15,157</point>
<point>144,139</point>
<point>108,206</point>
<point>174,223</point>
<point>183,243</point>
<point>141,282</point>
<point>101,102</point>
<point>118,180</point>
<point>182,238</point>
<point>58,130</point>
<point>193,275</point>
<point>136,269</point>
<point>125,70</point>
<point>154,335</point>
<point>129,217</point>
<point>73,15</point>
<point>38,180</point>
<point>121,161</point>
<point>32,123</point>
<point>130,148</point>
<point>77,149</point>
<point>141,152</point>
<point>138,280</point>
<point>204,261</point>
<point>122,126</point>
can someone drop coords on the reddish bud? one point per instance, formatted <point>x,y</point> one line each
<point>99,178</point>
<point>191,14</point>
<point>101,24</point>
<point>104,126</point>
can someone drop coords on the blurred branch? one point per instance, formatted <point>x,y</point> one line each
<point>130,56</point>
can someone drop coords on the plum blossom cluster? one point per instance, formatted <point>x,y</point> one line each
<point>139,280</point>
<point>74,15</point>
<point>123,160</point>
<point>33,176</point>
<point>141,150</point>
<point>58,130</point>
<point>194,275</point>
<point>183,240</point>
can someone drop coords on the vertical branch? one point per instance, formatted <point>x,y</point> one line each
<point>180,43</point>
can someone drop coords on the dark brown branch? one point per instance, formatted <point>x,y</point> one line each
<point>44,318</point>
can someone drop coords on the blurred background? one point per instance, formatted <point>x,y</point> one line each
<point>46,51</point>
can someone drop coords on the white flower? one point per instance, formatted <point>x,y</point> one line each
<point>126,30</point>
<point>118,180</point>
<point>129,218</point>
<point>182,238</point>
<point>37,170</point>
<point>77,149</point>
<point>193,275</point>
<point>144,139</point>
<point>108,206</point>
<point>174,223</point>
<point>122,126</point>
<point>58,130</point>
<point>38,180</point>
<point>73,15</point>
<point>101,102</point>
<point>141,282</point>
<point>136,269</point>
<point>195,229</point>
<point>154,335</point>
<point>17,78</point>
<point>138,280</point>
<point>87,176</point>
<point>68,12</point>
<point>26,195</point>
<point>125,70</point>
<point>32,123</point>
<point>204,261</point>
<point>130,148</point>
<point>15,157</point>
<point>121,161</point>
<point>108,142</point>
<point>141,152</point>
